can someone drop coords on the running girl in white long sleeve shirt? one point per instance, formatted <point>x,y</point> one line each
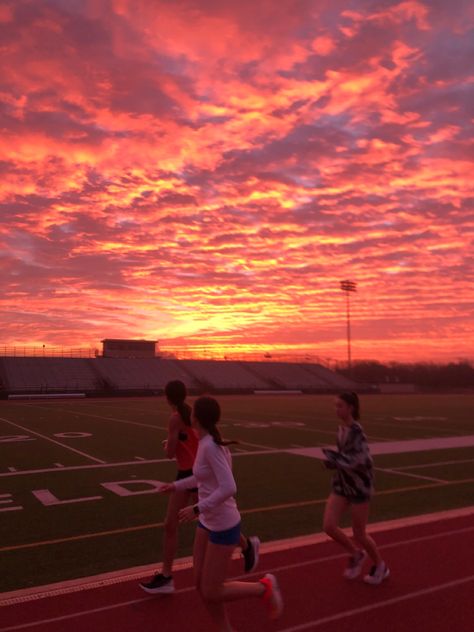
<point>182,444</point>
<point>218,529</point>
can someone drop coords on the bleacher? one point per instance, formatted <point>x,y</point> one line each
<point>225,375</point>
<point>48,375</point>
<point>289,376</point>
<point>37,375</point>
<point>332,379</point>
<point>144,374</point>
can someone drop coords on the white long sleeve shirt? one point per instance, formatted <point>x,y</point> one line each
<point>212,474</point>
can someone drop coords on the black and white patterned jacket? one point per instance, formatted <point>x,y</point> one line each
<point>354,478</point>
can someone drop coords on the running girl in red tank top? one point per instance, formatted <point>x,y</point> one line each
<point>182,444</point>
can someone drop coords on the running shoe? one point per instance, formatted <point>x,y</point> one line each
<point>251,554</point>
<point>355,564</point>
<point>377,574</point>
<point>159,584</point>
<point>272,596</point>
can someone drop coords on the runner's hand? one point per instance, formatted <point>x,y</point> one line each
<point>167,488</point>
<point>187,514</point>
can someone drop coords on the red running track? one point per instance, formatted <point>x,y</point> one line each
<point>431,589</point>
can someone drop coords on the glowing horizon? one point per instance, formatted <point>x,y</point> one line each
<point>206,173</point>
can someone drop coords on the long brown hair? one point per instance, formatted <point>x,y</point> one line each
<point>208,412</point>
<point>175,392</point>
<point>352,400</point>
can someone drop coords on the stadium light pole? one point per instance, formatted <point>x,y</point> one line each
<point>348,287</point>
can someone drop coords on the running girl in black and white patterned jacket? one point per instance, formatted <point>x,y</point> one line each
<point>352,488</point>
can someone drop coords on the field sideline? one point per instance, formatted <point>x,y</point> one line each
<point>78,479</point>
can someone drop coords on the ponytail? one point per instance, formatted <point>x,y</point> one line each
<point>175,392</point>
<point>184,411</point>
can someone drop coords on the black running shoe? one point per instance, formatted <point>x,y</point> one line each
<point>250,554</point>
<point>158,585</point>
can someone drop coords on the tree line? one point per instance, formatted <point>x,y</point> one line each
<point>453,375</point>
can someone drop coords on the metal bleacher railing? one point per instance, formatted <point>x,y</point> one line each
<point>20,351</point>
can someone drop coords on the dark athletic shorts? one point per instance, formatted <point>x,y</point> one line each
<point>227,537</point>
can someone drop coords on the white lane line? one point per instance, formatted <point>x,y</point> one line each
<point>63,445</point>
<point>381,604</point>
<point>418,476</point>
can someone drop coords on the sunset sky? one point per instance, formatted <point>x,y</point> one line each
<point>206,172</point>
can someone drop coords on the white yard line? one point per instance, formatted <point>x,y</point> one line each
<point>63,445</point>
<point>69,468</point>
<point>418,476</point>
<point>436,464</point>
<point>122,421</point>
<point>397,447</point>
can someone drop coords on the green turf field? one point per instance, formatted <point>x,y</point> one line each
<point>78,477</point>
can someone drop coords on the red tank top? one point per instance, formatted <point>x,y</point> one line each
<point>186,448</point>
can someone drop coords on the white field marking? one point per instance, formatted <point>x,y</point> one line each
<point>63,445</point>
<point>420,418</point>
<point>436,464</point>
<point>140,458</point>
<point>127,463</point>
<point>402,447</point>
<point>418,476</point>
<point>83,467</point>
<point>88,583</point>
<point>380,604</point>
<point>331,433</point>
<point>84,536</point>
<point>314,452</point>
<point>264,448</point>
<point>121,421</point>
